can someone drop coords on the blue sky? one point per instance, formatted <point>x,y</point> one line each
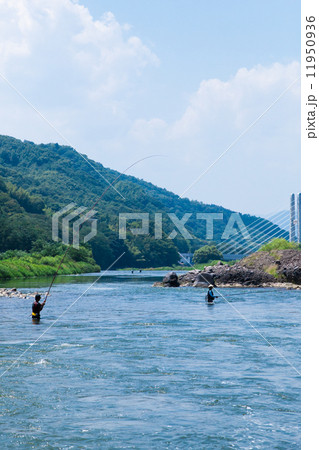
<point>196,40</point>
<point>125,79</point>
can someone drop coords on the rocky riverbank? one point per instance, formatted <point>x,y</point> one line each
<point>262,269</point>
<point>14,293</point>
<point>284,265</point>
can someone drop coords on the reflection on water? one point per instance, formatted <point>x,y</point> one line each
<point>110,276</point>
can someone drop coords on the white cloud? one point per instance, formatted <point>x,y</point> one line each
<point>217,113</point>
<point>86,76</point>
<point>61,42</point>
<point>237,102</point>
<point>82,74</point>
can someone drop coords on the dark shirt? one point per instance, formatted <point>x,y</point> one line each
<point>210,294</point>
<point>37,307</point>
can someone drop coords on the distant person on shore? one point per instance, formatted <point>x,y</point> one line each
<point>210,297</point>
<point>37,307</point>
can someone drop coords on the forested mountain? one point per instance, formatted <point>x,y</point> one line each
<point>38,180</point>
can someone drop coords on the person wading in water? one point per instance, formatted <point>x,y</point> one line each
<point>210,297</point>
<point>37,307</point>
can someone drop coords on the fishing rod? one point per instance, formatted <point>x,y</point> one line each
<point>94,205</point>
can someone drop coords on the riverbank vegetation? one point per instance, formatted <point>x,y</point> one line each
<point>206,254</point>
<point>45,262</point>
<point>279,244</point>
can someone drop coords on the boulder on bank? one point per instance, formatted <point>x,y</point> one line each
<point>171,280</point>
<point>261,269</point>
<point>226,275</point>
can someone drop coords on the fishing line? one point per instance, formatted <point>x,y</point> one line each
<point>92,207</point>
<point>58,318</point>
<point>246,320</point>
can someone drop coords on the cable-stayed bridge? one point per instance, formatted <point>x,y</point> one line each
<point>281,224</point>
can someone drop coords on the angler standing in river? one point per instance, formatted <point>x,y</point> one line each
<point>37,307</point>
<point>210,297</point>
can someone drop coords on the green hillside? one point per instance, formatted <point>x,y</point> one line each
<point>38,180</point>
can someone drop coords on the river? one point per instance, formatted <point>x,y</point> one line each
<point>130,366</point>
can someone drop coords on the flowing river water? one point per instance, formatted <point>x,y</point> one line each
<point>131,366</point>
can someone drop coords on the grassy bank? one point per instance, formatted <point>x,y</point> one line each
<point>17,264</point>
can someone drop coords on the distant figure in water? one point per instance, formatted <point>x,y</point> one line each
<point>37,307</point>
<point>210,297</point>
<point>140,270</point>
<point>132,271</point>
